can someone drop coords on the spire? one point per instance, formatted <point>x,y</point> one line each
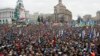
<point>60,1</point>
<point>19,1</point>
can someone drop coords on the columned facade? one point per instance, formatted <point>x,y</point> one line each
<point>6,15</point>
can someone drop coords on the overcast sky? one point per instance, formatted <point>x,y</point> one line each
<point>77,7</point>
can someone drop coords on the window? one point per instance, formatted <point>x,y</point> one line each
<point>3,21</point>
<point>6,21</point>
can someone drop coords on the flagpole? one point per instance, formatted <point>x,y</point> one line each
<point>89,39</point>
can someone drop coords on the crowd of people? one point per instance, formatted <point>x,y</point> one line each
<point>46,40</point>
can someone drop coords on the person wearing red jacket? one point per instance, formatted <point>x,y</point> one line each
<point>93,53</point>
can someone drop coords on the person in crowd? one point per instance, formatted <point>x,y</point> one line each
<point>40,40</point>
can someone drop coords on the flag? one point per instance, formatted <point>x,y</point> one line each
<point>83,34</point>
<point>9,36</point>
<point>89,39</point>
<point>20,32</point>
<point>18,46</point>
<point>39,40</point>
<point>54,41</point>
<point>91,34</point>
<point>98,34</point>
<point>94,33</point>
<point>61,32</point>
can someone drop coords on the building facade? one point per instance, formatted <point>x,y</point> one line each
<point>97,18</point>
<point>61,13</point>
<point>87,17</point>
<point>98,15</point>
<point>6,15</point>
